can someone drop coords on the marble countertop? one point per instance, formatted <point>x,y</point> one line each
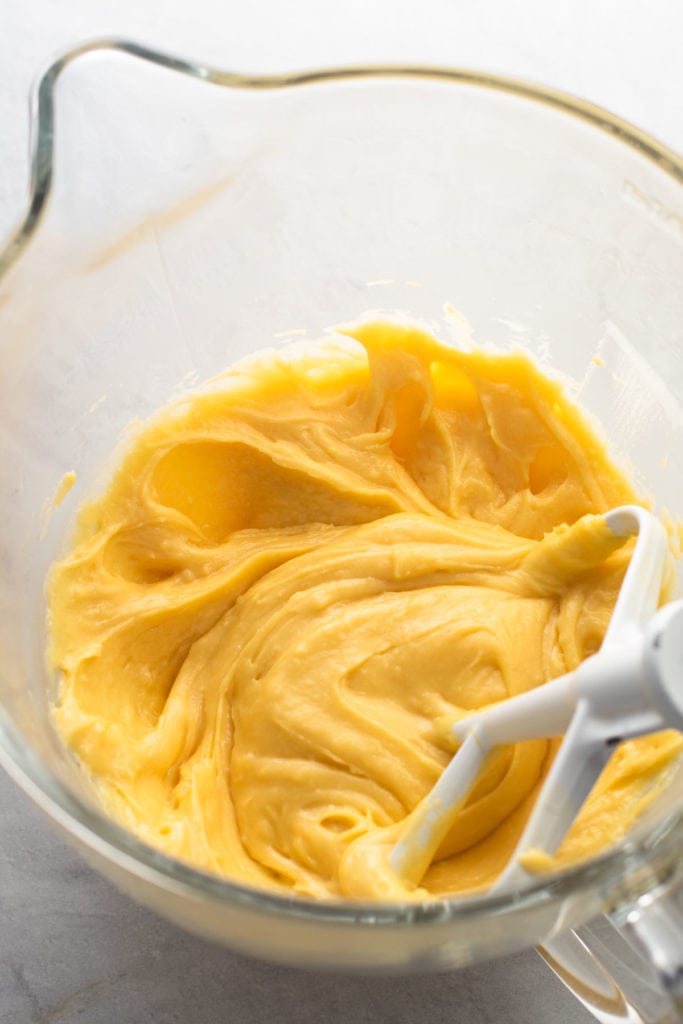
<point>73,949</point>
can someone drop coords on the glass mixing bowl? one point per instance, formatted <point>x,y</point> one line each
<point>181,217</point>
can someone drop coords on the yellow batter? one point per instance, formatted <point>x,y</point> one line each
<point>293,577</point>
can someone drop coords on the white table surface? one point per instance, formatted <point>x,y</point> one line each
<point>72,949</point>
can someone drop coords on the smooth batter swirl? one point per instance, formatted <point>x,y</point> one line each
<point>295,576</point>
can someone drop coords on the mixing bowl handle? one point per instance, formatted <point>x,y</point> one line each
<point>627,967</point>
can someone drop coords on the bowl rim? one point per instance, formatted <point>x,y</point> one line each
<point>42,111</point>
<point>106,837</point>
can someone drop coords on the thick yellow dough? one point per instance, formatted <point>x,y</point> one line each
<point>295,576</point>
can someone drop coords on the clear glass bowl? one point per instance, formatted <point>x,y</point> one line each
<point>182,217</point>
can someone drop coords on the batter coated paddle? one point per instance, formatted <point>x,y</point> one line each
<point>632,686</point>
